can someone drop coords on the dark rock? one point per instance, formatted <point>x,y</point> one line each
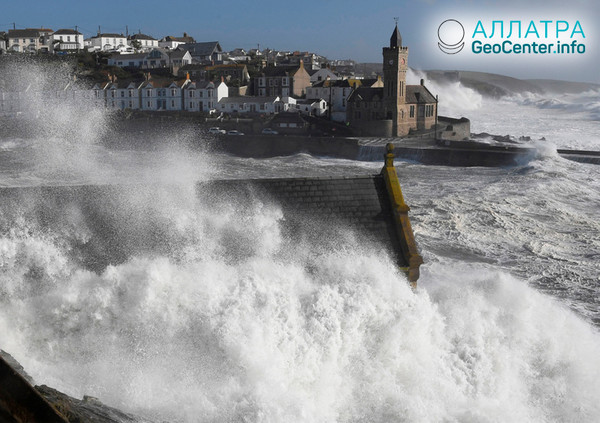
<point>16,366</point>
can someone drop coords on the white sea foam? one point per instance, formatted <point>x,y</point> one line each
<point>291,331</point>
<point>455,100</point>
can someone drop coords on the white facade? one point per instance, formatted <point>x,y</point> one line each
<point>106,42</point>
<point>336,97</point>
<point>146,43</point>
<point>204,96</point>
<point>181,95</point>
<point>26,41</point>
<point>15,102</point>
<point>66,40</point>
<point>317,107</point>
<point>121,97</point>
<point>250,104</point>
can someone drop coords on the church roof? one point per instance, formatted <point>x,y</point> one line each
<point>366,94</point>
<point>396,38</point>
<point>418,94</point>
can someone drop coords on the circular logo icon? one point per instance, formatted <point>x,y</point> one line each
<point>451,34</point>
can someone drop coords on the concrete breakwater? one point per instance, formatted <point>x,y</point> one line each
<point>425,151</point>
<point>419,150</point>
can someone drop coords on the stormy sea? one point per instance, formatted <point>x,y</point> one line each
<point>201,310</point>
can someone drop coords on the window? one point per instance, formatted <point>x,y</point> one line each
<point>172,103</point>
<point>173,93</point>
<point>149,93</point>
<point>149,104</point>
<point>191,104</point>
<point>122,93</point>
<point>412,111</point>
<point>130,93</point>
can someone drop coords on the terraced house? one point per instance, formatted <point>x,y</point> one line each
<point>29,40</point>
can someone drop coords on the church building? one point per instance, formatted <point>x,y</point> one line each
<point>396,109</point>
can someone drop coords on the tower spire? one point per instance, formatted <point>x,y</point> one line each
<point>396,38</point>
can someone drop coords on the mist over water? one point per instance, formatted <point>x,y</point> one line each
<point>208,310</point>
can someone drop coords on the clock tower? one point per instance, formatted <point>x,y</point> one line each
<point>395,58</point>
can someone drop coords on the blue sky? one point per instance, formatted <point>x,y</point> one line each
<point>336,29</point>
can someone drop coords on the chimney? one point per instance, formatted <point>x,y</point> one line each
<point>422,82</point>
<point>185,34</point>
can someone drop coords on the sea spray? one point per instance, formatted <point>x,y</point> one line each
<point>272,329</point>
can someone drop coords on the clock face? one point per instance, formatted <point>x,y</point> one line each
<point>403,61</point>
<point>391,61</point>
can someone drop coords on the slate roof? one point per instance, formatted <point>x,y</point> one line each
<point>133,56</point>
<point>396,38</point>
<point>418,94</point>
<point>109,35</point>
<point>23,33</point>
<point>141,37</point>
<point>67,32</point>
<point>180,39</point>
<point>332,83</point>
<point>414,94</point>
<point>177,54</point>
<point>366,94</point>
<point>202,49</point>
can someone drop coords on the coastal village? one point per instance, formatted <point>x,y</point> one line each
<point>291,93</point>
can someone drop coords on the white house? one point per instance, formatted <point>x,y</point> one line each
<point>157,58</point>
<point>146,42</point>
<point>312,107</point>
<point>171,43</point>
<point>336,94</point>
<point>127,60</point>
<point>66,40</point>
<point>122,95</point>
<point>152,96</point>
<point>204,96</point>
<point>28,40</point>
<point>106,42</point>
<point>179,58</point>
<point>246,104</point>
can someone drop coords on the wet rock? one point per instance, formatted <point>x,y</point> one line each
<point>89,409</point>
